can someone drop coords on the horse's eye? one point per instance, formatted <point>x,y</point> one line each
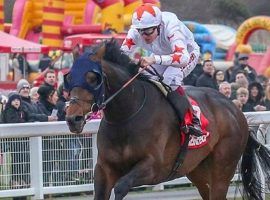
<point>92,79</point>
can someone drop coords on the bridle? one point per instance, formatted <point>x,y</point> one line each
<point>77,100</point>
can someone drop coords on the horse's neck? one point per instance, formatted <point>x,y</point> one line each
<point>126,103</point>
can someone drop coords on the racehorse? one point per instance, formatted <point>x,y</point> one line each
<point>138,138</point>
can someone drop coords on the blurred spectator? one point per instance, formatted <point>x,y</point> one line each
<point>263,80</point>
<point>242,95</point>
<point>194,75</point>
<point>243,65</point>
<point>23,88</point>
<point>63,95</point>
<point>64,61</point>
<point>225,89</point>
<point>206,79</point>
<point>240,81</point>
<point>218,77</point>
<point>50,78</point>
<point>267,97</point>
<point>23,65</point>
<point>34,95</point>
<point>15,67</point>
<point>47,100</point>
<point>3,101</point>
<point>228,73</point>
<point>45,62</point>
<point>256,96</point>
<point>47,105</point>
<point>263,133</point>
<point>13,112</point>
<point>76,52</point>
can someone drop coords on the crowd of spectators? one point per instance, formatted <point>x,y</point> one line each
<point>239,83</point>
<point>45,103</point>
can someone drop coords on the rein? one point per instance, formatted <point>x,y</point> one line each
<point>131,116</point>
<point>154,72</point>
<point>104,104</point>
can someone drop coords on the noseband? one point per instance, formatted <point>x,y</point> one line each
<point>77,100</point>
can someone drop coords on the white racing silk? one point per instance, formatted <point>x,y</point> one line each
<point>175,51</point>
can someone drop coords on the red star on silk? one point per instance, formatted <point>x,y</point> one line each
<point>176,58</point>
<point>145,8</point>
<point>170,37</point>
<point>129,42</point>
<point>178,49</point>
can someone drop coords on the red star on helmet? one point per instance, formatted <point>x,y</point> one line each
<point>176,58</point>
<point>129,42</point>
<point>145,8</point>
<point>178,49</point>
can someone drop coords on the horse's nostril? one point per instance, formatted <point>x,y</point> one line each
<point>74,119</point>
<point>78,118</point>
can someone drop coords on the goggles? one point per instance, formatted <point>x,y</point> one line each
<point>147,31</point>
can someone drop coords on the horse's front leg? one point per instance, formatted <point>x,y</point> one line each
<point>141,173</point>
<point>104,181</point>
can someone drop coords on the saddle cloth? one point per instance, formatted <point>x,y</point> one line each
<point>197,142</point>
<point>194,142</point>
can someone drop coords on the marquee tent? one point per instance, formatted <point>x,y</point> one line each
<point>12,44</point>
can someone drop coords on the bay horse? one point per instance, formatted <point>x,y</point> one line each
<point>138,138</point>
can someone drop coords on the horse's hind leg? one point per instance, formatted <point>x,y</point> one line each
<point>212,177</point>
<point>220,180</point>
<point>224,161</point>
<point>140,174</point>
<point>103,182</point>
<point>200,177</point>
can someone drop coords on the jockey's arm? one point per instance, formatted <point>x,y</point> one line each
<point>194,56</point>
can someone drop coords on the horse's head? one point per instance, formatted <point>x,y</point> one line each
<point>85,80</point>
<point>85,83</point>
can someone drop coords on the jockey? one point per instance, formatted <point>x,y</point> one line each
<point>174,55</point>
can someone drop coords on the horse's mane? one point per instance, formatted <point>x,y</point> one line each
<point>115,55</point>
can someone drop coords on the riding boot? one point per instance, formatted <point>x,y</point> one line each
<point>195,128</point>
<point>189,121</point>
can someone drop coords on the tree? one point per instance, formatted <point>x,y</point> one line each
<point>233,10</point>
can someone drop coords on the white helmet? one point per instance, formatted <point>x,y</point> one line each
<point>145,16</point>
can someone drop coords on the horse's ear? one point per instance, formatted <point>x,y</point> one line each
<point>98,53</point>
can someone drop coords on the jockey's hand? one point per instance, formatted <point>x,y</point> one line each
<point>146,61</point>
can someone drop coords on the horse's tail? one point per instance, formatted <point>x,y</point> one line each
<point>255,163</point>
